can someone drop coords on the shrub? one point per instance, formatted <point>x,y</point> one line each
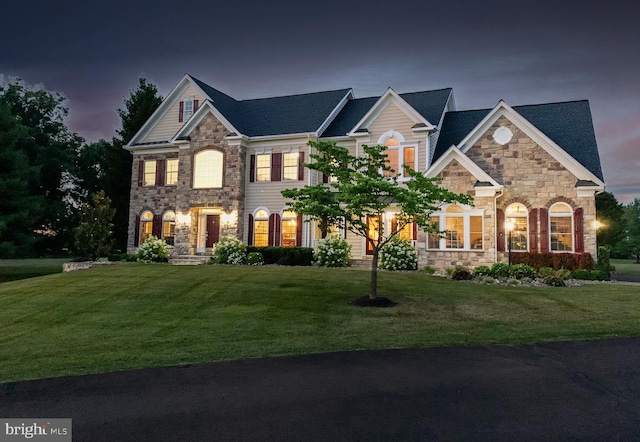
<point>582,274</point>
<point>482,271</point>
<point>398,254</point>
<point>229,250</point>
<point>333,252</point>
<point>121,257</point>
<point>153,250</point>
<point>461,274</point>
<point>600,275</point>
<point>563,273</point>
<point>520,271</point>
<point>500,270</point>
<point>295,256</point>
<point>255,259</point>
<point>545,272</point>
<point>554,281</point>
<point>604,263</point>
<point>429,270</point>
<point>556,261</point>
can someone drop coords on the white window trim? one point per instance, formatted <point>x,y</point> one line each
<point>186,114</point>
<point>285,152</point>
<point>144,173</point>
<point>195,163</point>
<point>402,145</point>
<point>467,213</point>
<point>166,172</point>
<point>255,178</point>
<point>572,224</point>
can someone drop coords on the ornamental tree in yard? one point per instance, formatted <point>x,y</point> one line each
<point>362,190</point>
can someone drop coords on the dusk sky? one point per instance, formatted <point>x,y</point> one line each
<point>523,52</point>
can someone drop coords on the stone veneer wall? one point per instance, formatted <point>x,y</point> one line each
<point>529,174</point>
<point>209,134</point>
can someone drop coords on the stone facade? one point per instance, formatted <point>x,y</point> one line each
<point>189,203</point>
<point>529,174</point>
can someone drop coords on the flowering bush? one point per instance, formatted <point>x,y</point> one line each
<point>153,250</point>
<point>333,252</point>
<point>398,254</point>
<point>229,250</point>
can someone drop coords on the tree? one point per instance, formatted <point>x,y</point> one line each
<point>106,165</point>
<point>94,235</point>
<point>37,213</point>
<point>361,191</point>
<point>611,216</point>
<point>630,243</point>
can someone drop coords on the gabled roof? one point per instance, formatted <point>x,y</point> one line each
<point>429,104</point>
<point>290,114</point>
<point>567,124</point>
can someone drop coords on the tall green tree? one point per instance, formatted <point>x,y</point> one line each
<point>361,192</point>
<point>42,152</point>
<point>610,214</point>
<point>630,243</point>
<point>105,165</point>
<point>94,235</point>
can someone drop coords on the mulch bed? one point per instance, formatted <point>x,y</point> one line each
<point>380,302</point>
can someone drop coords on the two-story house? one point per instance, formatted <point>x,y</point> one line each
<point>206,165</point>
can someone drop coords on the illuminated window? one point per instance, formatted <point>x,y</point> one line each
<point>561,227</point>
<point>263,167</point>
<point>462,226</point>
<point>406,231</point>
<point>146,226</point>
<point>289,228</point>
<point>208,169</point>
<point>172,172</point>
<point>169,227</point>
<point>290,165</point>
<point>261,229</point>
<point>517,214</point>
<point>398,156</point>
<point>150,173</point>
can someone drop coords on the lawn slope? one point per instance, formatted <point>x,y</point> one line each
<point>142,315</point>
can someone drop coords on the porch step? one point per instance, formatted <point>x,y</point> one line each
<point>364,264</point>
<point>189,260</point>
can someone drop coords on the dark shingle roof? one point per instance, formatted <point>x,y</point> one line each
<point>349,116</point>
<point>568,124</point>
<point>277,115</point>
<point>429,104</point>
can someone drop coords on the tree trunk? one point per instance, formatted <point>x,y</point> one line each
<point>373,285</point>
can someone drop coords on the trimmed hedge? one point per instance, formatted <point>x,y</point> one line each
<point>556,261</point>
<point>286,256</point>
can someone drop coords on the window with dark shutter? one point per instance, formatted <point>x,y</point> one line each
<point>544,230</point>
<point>195,105</point>
<point>252,169</point>
<point>140,172</point>
<point>301,166</point>
<point>250,234</point>
<point>578,219</point>
<point>276,167</point>
<point>533,231</point>
<point>160,171</point>
<point>157,226</point>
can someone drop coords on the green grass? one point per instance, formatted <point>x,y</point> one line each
<point>135,315</point>
<point>14,269</point>
<point>626,266</point>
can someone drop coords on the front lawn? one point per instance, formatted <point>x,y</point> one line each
<point>14,269</point>
<point>142,315</point>
<point>626,266</point>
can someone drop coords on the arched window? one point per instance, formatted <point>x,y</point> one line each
<point>517,220</point>
<point>261,228</point>
<point>146,226</point>
<point>289,228</point>
<point>398,153</point>
<point>169,227</point>
<point>561,227</point>
<point>208,169</point>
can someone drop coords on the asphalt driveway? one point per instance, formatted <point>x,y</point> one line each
<point>588,390</point>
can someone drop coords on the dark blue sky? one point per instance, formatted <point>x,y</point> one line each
<point>523,52</point>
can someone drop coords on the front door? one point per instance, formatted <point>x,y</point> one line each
<point>213,230</point>
<point>373,232</point>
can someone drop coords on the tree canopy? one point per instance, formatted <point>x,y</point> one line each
<point>361,190</point>
<point>37,171</point>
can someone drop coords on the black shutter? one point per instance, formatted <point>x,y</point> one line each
<point>276,167</point>
<point>252,169</point>
<point>301,166</point>
<point>181,112</point>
